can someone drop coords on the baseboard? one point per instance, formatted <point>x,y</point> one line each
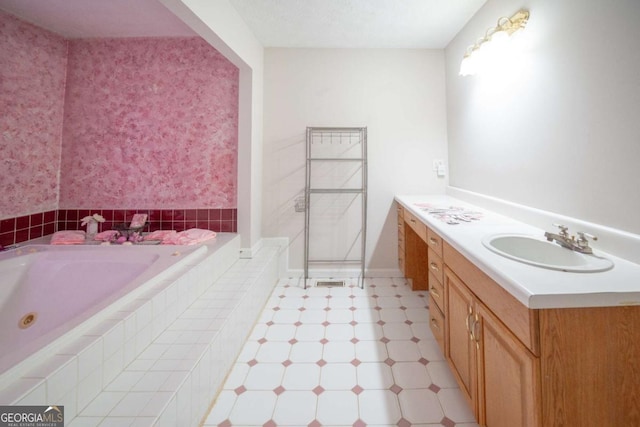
<point>344,273</point>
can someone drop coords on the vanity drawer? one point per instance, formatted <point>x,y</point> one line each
<point>416,225</point>
<point>436,292</point>
<point>436,267</point>
<point>436,323</point>
<point>434,241</point>
<point>400,211</point>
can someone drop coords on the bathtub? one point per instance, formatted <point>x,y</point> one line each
<point>51,294</point>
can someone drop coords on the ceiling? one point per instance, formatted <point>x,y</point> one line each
<point>276,23</point>
<point>356,23</point>
<point>99,18</point>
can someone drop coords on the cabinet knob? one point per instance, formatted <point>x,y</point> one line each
<point>434,266</point>
<point>433,241</point>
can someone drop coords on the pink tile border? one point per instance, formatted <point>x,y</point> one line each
<point>27,227</point>
<point>20,229</point>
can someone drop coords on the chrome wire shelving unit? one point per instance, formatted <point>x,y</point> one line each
<point>336,200</point>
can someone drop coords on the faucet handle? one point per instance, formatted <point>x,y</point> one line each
<point>563,229</point>
<point>583,237</point>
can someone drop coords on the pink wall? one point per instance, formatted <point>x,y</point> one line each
<point>149,123</point>
<point>32,83</point>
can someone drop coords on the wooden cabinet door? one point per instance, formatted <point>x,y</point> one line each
<point>460,348</point>
<point>509,375</point>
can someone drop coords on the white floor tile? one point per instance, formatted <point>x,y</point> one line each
<point>310,332</point>
<point>291,303</point>
<point>295,408</point>
<point>455,406</point>
<point>258,332</point>
<point>397,331</point>
<point>338,376</point>
<point>371,351</point>
<point>306,352</point>
<point>280,332</point>
<point>412,301</point>
<point>337,408</point>
<point>411,375</point>
<point>315,316</point>
<point>374,376</point>
<point>341,292</point>
<point>339,332</point>
<point>364,302</point>
<point>306,370</point>
<point>339,316</point>
<point>301,376</point>
<point>276,351</point>
<point>287,317</point>
<point>253,408</point>
<point>316,303</point>
<point>430,350</point>
<point>418,314</point>
<point>264,376</point>
<point>441,374</point>
<point>249,350</point>
<point>403,351</point>
<point>389,302</point>
<point>338,351</point>
<point>368,331</point>
<point>340,302</point>
<point>366,315</point>
<point>379,407</point>
<point>392,315</point>
<point>237,376</point>
<point>420,406</point>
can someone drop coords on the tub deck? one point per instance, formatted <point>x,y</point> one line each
<point>163,359</point>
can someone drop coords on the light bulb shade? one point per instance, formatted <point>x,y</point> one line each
<point>499,39</point>
<point>467,66</point>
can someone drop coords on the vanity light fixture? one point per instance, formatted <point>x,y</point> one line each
<point>493,43</point>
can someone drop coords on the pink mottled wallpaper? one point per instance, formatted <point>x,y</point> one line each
<point>32,83</point>
<point>149,123</point>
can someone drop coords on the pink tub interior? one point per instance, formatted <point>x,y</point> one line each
<point>58,288</point>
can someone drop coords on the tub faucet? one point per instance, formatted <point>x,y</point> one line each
<point>579,244</point>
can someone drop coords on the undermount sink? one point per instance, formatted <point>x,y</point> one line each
<point>538,251</point>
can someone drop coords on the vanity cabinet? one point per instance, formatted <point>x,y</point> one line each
<point>415,250</point>
<point>401,244</point>
<point>526,367</point>
<point>497,374</point>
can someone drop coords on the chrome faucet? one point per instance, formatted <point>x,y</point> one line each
<point>579,244</point>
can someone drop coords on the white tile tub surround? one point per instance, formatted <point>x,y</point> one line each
<point>77,372</point>
<point>174,380</point>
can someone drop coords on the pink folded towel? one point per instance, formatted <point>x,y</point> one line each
<point>160,234</point>
<point>106,236</point>
<point>138,220</point>
<point>68,237</point>
<point>189,237</point>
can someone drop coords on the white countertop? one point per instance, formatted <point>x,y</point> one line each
<point>534,287</point>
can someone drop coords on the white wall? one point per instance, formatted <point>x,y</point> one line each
<point>398,94</point>
<point>560,130</point>
<point>219,23</point>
